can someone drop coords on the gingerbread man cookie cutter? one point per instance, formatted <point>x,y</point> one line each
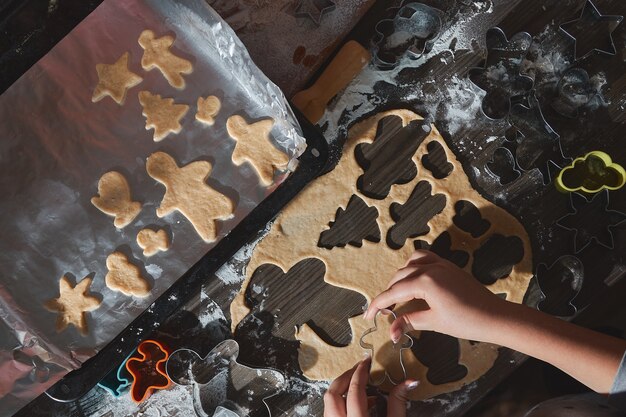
<point>399,347</point>
<point>147,379</point>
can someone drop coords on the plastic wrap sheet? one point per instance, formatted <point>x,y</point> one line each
<point>56,144</point>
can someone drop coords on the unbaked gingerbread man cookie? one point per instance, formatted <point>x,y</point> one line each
<point>157,54</point>
<point>114,199</point>
<point>254,146</point>
<point>72,304</point>
<point>187,192</point>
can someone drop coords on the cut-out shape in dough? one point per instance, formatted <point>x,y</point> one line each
<point>153,241</point>
<point>413,216</point>
<point>157,54</point>
<point>436,162</point>
<point>560,283</point>
<point>440,353</point>
<point>161,114</point>
<point>187,192</point>
<point>254,146</point>
<point>223,383</point>
<point>352,225</point>
<point>468,218</point>
<point>496,258</point>
<point>384,350</point>
<point>125,277</point>
<point>393,147</point>
<point>72,304</point>
<point>442,247</point>
<point>208,108</point>
<point>114,199</point>
<point>114,80</point>
<point>298,296</point>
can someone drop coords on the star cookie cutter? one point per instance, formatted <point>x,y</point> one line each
<point>398,347</point>
<point>414,30</point>
<point>500,77</point>
<point>560,283</point>
<point>591,220</point>
<point>221,383</point>
<point>590,12</point>
<point>119,382</point>
<point>591,174</point>
<point>148,371</point>
<point>314,9</point>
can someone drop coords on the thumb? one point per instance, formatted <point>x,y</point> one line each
<point>416,320</point>
<point>398,397</point>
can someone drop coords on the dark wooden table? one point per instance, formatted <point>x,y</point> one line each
<point>538,206</point>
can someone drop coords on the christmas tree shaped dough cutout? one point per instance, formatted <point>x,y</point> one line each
<point>161,114</point>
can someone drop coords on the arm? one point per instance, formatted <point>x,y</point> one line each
<point>460,306</point>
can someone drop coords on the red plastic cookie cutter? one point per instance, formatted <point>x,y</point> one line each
<point>148,371</point>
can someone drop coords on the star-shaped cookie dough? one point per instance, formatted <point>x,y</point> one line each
<point>114,80</point>
<point>161,114</point>
<point>254,146</point>
<point>72,304</point>
<point>157,55</point>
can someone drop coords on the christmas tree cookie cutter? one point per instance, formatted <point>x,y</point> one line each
<point>388,349</point>
<point>591,174</point>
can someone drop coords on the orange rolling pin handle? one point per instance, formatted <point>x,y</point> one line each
<point>346,65</point>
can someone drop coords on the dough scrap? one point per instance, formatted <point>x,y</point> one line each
<point>254,146</point>
<point>161,114</point>
<point>294,236</point>
<point>187,192</point>
<point>157,54</point>
<point>152,241</point>
<point>114,199</point>
<point>114,80</point>
<point>208,109</point>
<point>125,277</point>
<point>72,304</point>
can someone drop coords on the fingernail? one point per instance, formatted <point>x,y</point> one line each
<point>395,339</point>
<point>366,356</point>
<point>412,385</point>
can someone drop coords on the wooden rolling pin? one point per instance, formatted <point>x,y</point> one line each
<point>348,62</point>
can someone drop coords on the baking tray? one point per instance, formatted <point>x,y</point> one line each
<point>311,164</point>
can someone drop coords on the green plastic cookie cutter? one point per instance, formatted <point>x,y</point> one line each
<point>590,174</point>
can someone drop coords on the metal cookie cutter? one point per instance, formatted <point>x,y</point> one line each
<point>220,383</point>
<point>414,30</point>
<point>314,9</point>
<point>591,174</point>
<point>591,220</point>
<point>590,14</point>
<point>116,383</point>
<point>384,349</point>
<point>560,283</point>
<point>148,371</point>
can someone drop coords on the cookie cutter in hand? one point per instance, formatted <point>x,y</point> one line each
<point>151,375</point>
<point>399,346</point>
<point>591,12</point>
<point>420,24</point>
<point>591,174</point>
<point>220,382</point>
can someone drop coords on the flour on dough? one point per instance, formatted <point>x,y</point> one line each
<point>114,199</point>
<point>187,192</point>
<point>125,277</point>
<point>152,241</point>
<point>161,114</point>
<point>208,109</point>
<point>72,304</point>
<point>114,80</point>
<point>254,146</point>
<point>295,234</point>
<point>157,54</point>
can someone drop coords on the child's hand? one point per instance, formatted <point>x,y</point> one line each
<point>458,304</point>
<point>346,396</point>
